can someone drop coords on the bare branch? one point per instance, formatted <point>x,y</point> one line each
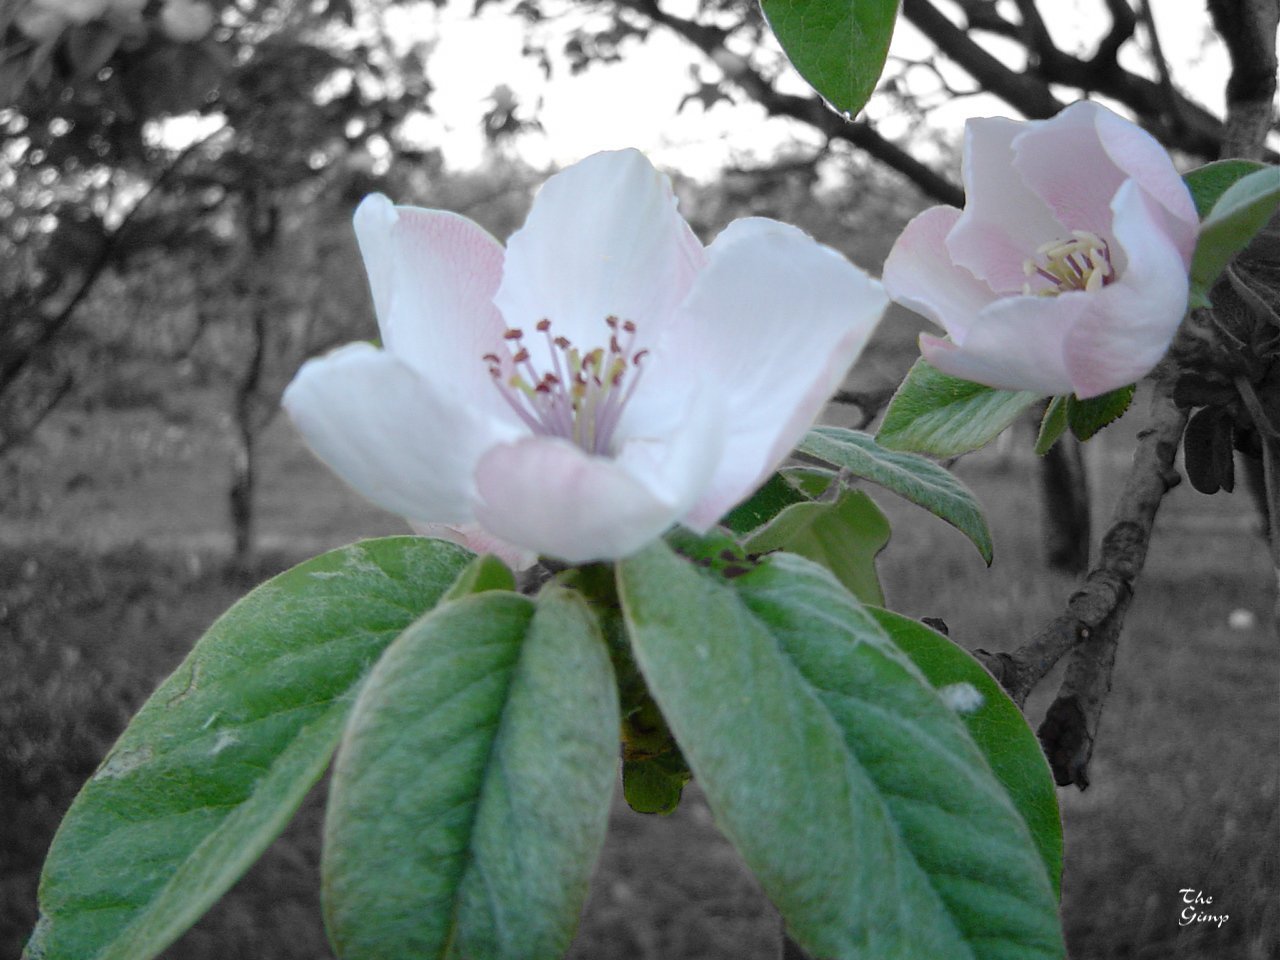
<point>810,110</point>
<point>1248,27</point>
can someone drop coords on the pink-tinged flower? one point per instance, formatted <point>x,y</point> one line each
<point>602,378</point>
<point>1067,270</point>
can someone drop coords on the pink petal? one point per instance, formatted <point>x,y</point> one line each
<point>920,275</point>
<point>477,540</point>
<point>1130,323</point>
<point>433,276</point>
<point>1003,221</point>
<point>774,321</point>
<point>1141,158</point>
<point>1015,344</point>
<point>1063,161</point>
<point>382,428</point>
<point>551,497</point>
<point>603,238</point>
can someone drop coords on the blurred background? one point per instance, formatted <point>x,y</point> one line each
<point>177,179</point>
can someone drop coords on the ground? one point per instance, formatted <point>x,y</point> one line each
<point>112,541</point>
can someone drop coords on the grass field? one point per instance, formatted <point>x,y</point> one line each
<point>1186,776</point>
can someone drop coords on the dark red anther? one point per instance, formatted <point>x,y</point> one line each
<point>639,356</point>
<point>562,343</point>
<point>629,327</point>
<point>491,358</point>
<point>513,334</point>
<point>544,325</point>
<point>521,356</point>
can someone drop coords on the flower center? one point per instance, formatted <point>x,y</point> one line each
<point>582,396</point>
<point>1081,263</point>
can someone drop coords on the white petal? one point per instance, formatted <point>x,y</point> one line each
<point>920,275</point>
<point>374,220</point>
<point>1003,221</point>
<point>603,238</point>
<point>387,433</point>
<point>549,496</point>
<point>771,325</point>
<point>433,275</point>
<point>1131,322</point>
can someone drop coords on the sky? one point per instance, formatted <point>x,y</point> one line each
<point>634,103</point>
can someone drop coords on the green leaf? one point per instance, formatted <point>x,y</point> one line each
<point>853,792</point>
<point>839,46</point>
<point>472,790</point>
<point>220,756</point>
<point>997,727</point>
<point>1052,425</point>
<point>843,535</point>
<point>1087,417</point>
<point>1243,209</point>
<point>763,505</point>
<point>1209,182</point>
<point>921,481</point>
<point>946,416</point>
<point>485,572</point>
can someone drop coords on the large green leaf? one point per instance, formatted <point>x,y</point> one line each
<point>472,789</point>
<point>996,725</point>
<point>844,535</point>
<point>855,794</point>
<point>1239,213</point>
<point>839,46</point>
<point>215,763</point>
<point>921,481</point>
<point>946,416</point>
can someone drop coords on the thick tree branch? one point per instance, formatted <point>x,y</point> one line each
<point>1182,124</point>
<point>1248,27</point>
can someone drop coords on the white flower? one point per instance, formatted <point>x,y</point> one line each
<point>599,380</point>
<point>1067,270</point>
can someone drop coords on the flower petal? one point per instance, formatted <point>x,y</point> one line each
<point>433,275</point>
<point>548,495</point>
<point>1003,221</point>
<point>603,238</point>
<point>382,428</point>
<point>920,275</point>
<point>1141,157</point>
<point>1064,162</point>
<point>774,322</point>
<point>1015,344</point>
<point>1131,322</point>
<point>477,540</point>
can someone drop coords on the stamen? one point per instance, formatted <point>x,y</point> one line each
<point>582,397</point>
<point>1081,263</point>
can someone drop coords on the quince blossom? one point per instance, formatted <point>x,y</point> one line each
<point>1066,272</point>
<point>600,379</point>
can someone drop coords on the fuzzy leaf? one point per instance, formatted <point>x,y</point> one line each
<point>852,791</point>
<point>945,416</point>
<point>218,759</point>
